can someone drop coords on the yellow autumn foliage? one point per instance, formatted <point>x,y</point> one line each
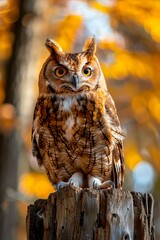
<point>132,156</point>
<point>143,13</point>
<point>68,30</point>
<point>34,184</point>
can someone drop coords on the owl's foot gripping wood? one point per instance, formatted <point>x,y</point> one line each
<point>95,183</point>
<point>74,182</point>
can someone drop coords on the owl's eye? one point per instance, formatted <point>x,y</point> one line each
<point>87,71</point>
<point>60,71</point>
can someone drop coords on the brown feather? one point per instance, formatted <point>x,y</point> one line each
<point>76,129</point>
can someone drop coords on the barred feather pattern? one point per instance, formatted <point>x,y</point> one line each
<point>78,133</point>
<point>75,124</point>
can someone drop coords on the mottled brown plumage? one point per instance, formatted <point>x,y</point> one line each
<point>76,132</point>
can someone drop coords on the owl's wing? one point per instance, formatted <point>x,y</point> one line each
<point>119,167</point>
<point>35,147</point>
<point>118,152</point>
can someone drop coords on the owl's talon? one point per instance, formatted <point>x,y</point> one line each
<point>61,185</point>
<point>96,185</point>
<point>76,180</point>
<point>107,185</point>
<point>72,184</point>
<point>112,184</point>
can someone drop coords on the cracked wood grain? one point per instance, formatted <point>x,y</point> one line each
<point>92,215</point>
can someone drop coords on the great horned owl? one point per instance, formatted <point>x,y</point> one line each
<point>76,131</point>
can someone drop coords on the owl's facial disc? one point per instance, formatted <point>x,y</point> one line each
<point>72,72</point>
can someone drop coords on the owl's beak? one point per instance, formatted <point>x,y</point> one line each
<point>75,80</point>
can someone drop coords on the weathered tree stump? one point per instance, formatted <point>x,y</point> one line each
<point>92,215</point>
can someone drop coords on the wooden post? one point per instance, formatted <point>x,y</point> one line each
<point>92,215</point>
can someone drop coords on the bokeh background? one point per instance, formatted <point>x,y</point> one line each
<point>128,37</point>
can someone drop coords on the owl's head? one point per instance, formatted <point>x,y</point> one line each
<point>70,72</point>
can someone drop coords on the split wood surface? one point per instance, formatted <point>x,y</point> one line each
<point>92,215</point>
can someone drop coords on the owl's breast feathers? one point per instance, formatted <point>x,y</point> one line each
<point>80,131</point>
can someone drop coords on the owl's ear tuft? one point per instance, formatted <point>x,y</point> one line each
<point>53,47</point>
<point>90,47</point>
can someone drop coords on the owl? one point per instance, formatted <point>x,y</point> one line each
<point>76,133</point>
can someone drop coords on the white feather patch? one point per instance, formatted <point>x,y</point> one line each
<point>67,104</point>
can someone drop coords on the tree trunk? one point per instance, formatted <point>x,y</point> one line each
<point>92,215</point>
<point>10,142</point>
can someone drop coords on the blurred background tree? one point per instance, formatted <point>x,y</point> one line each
<point>128,38</point>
